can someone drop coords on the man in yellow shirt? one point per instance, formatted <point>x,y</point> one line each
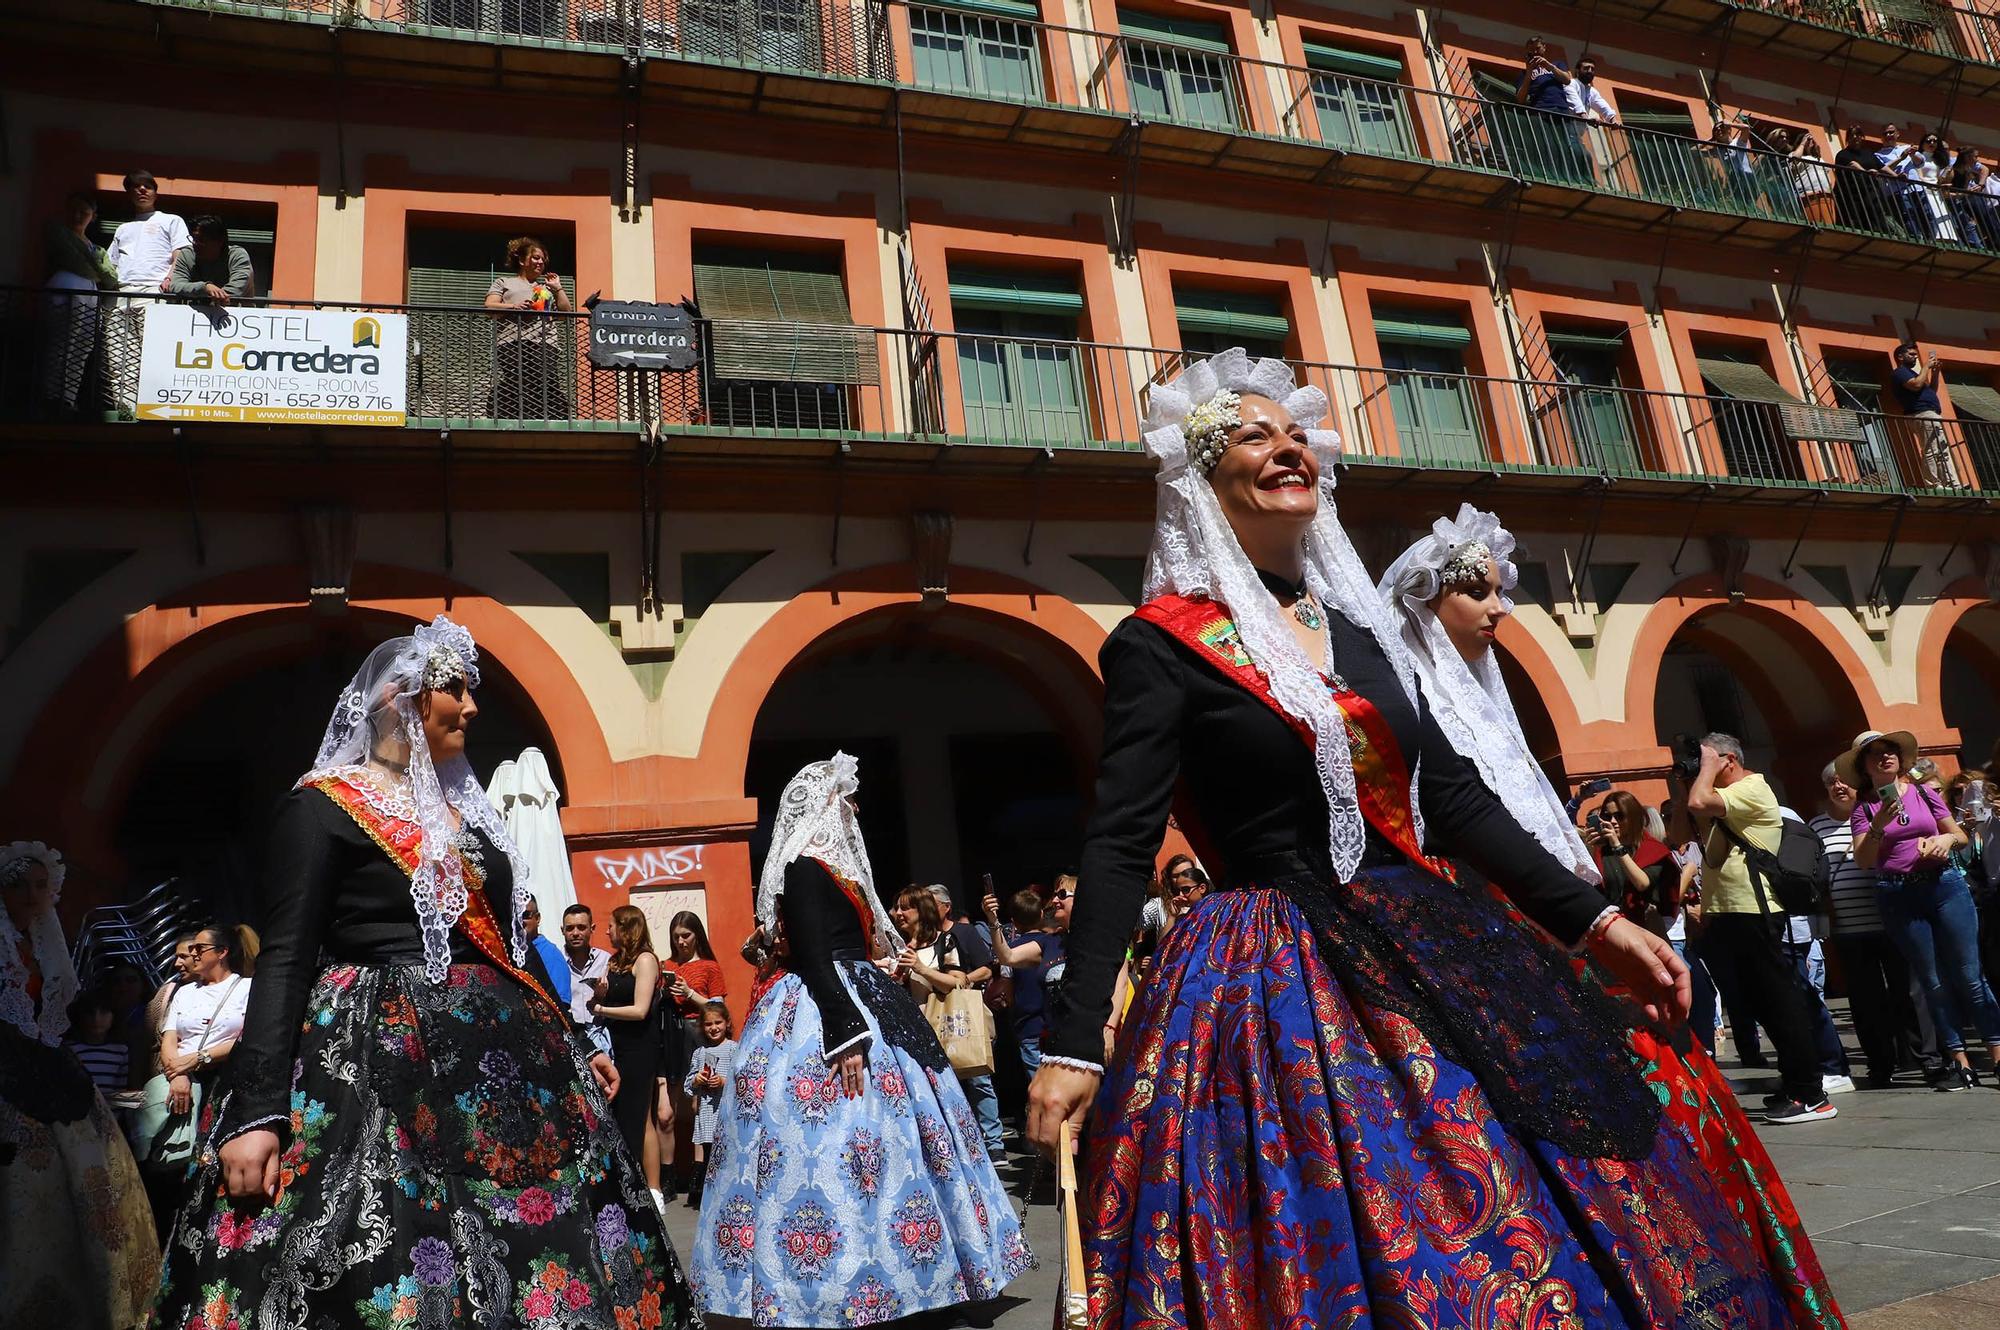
<point>1745,930</point>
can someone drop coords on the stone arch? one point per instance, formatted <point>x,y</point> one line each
<point>1004,604</point>
<point>1802,675</point>
<point>1960,643</point>
<point>125,694</point>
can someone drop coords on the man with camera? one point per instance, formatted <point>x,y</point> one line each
<point>1745,922</point>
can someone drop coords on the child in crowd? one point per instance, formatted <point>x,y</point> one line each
<point>707,1074</point>
<point>108,1060</point>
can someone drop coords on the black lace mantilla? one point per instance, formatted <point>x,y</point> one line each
<point>901,1019</point>
<point>1492,996</point>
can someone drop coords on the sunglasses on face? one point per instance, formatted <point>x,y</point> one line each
<point>1061,896</point>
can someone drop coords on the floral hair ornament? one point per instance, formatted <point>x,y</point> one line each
<point>1460,552</point>
<point>1189,418</point>
<point>448,654</point>
<point>19,856</point>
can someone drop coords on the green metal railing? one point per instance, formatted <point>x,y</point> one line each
<point>74,357</point>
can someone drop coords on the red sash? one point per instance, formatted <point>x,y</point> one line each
<point>401,841</point>
<point>1381,777</point>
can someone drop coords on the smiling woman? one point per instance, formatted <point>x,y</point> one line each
<point>1286,1068</point>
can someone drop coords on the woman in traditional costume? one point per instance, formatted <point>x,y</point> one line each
<point>848,1182</point>
<point>76,1237</point>
<point>1449,592</point>
<point>413,1133</point>
<point>1350,1091</point>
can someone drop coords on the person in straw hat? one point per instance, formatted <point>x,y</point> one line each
<point>1904,830</point>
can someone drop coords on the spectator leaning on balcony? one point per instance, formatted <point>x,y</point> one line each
<point>1863,189</point>
<point>1904,163</point>
<point>1556,137</point>
<point>143,252</point>
<point>528,382</point>
<point>213,270</point>
<point>1810,177</point>
<point>77,264</point>
<point>1587,103</point>
<point>1973,199</point>
<point>1915,387</point>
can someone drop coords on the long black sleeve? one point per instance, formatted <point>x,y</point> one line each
<point>816,918</point>
<point>1141,759</point>
<point>304,867</point>
<point>1464,818</point>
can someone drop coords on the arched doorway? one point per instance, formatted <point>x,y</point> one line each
<point>1969,683</point>
<point>206,786</point>
<point>976,739</point>
<point>1538,727</point>
<point>1753,673</point>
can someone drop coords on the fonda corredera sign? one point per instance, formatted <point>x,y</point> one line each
<point>633,334</point>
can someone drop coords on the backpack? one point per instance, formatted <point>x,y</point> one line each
<point>1797,871</point>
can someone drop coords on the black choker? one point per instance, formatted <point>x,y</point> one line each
<point>1280,586</point>
<point>400,768</point>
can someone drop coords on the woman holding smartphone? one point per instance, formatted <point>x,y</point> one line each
<point>1906,833</point>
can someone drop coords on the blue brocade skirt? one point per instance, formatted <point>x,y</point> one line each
<point>1276,1147</point>
<point>826,1211</point>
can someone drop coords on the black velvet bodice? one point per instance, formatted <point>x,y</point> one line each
<point>1251,782</point>
<point>331,896</point>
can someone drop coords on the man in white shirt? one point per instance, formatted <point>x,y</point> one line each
<point>1587,104</point>
<point>143,252</point>
<point>587,965</point>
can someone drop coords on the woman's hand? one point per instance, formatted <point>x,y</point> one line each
<point>605,1071</point>
<point>1059,1095</point>
<point>1935,849</point>
<point>853,1071</point>
<point>250,1166</point>
<point>1646,965</point>
<point>990,906</point>
<point>180,1093</point>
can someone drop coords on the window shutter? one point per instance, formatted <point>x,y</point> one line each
<point>781,318</point>
<point>449,286</point>
<point>1008,291</point>
<point>1421,327</point>
<point>1361,64</point>
<point>1239,314</point>
<point>1584,341</point>
<point>1750,383</point>
<point>1974,401</point>
<point>1024,11</point>
<point>1177,31</point>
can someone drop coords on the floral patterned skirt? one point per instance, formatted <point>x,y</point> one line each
<point>451,1163</point>
<point>76,1235</point>
<point>827,1211</point>
<point>1275,1148</point>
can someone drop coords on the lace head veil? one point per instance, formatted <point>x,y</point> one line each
<point>45,941</point>
<point>816,820</point>
<point>1470,702</point>
<point>381,709</point>
<point>1195,553</point>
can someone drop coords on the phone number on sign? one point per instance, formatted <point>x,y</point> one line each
<point>326,401</point>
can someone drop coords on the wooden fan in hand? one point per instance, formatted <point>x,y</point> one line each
<point>1072,1301</point>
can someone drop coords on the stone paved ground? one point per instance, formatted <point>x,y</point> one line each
<point>1901,1194</point>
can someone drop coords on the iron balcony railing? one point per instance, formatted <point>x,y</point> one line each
<point>1921,25</point>
<point>71,356</point>
<point>940,48</point>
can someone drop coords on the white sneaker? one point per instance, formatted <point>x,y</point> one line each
<point>660,1202</point>
<point>1836,1084</point>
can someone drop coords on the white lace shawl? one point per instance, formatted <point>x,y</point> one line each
<point>816,820</point>
<point>380,706</point>
<point>45,941</point>
<point>1196,554</point>
<point>1470,702</point>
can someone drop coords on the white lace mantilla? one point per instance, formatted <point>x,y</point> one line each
<point>816,820</point>
<point>379,710</point>
<point>1196,554</point>
<point>45,943</point>
<point>1470,702</point>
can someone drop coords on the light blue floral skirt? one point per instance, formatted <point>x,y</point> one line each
<point>826,1211</point>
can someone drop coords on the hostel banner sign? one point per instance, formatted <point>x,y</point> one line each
<point>273,366</point>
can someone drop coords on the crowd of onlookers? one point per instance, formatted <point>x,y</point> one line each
<point>1924,185</point>
<point>99,296</point>
<point>1895,874</point>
